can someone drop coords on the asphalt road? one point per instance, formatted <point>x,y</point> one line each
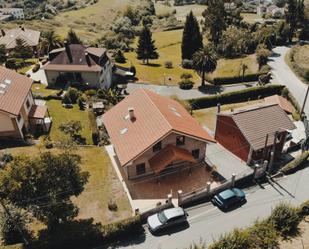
<point>285,76</point>
<point>207,223</point>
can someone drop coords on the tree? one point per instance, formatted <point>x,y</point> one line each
<point>145,48</point>
<point>49,41</point>
<point>214,21</point>
<point>71,128</point>
<point>280,3</point>
<point>243,68</point>
<point>192,39</point>
<point>119,57</point>
<point>262,55</point>
<point>2,53</point>
<point>291,17</point>
<point>44,185</point>
<point>205,61</point>
<point>301,12</point>
<point>13,225</point>
<point>72,38</point>
<point>22,49</point>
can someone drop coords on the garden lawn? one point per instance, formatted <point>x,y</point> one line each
<point>207,117</point>
<point>60,115</point>
<point>31,63</point>
<point>40,89</point>
<point>232,67</point>
<point>103,185</point>
<point>169,49</point>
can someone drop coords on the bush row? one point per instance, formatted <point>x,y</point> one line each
<point>234,79</point>
<point>297,163</point>
<point>17,246</point>
<point>251,93</point>
<point>85,234</point>
<point>300,70</point>
<point>283,222</point>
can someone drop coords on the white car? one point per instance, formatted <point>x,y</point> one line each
<point>166,218</point>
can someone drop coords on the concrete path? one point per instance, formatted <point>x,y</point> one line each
<point>285,76</point>
<point>39,75</point>
<point>187,94</point>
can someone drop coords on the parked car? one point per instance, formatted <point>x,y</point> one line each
<point>166,218</point>
<point>228,198</point>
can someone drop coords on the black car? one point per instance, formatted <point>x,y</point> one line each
<point>228,198</point>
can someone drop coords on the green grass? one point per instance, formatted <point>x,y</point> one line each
<point>61,115</point>
<point>31,63</point>
<point>41,90</point>
<point>169,49</point>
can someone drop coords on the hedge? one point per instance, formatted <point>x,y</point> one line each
<point>297,163</point>
<point>234,79</point>
<point>82,234</point>
<point>251,93</point>
<point>17,246</point>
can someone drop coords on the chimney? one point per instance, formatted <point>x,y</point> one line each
<point>2,32</point>
<point>68,51</point>
<point>131,113</point>
<point>218,108</point>
<point>88,59</point>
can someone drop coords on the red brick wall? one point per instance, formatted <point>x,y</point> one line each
<point>228,135</point>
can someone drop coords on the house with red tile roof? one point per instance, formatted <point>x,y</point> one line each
<point>152,134</point>
<point>19,114</point>
<point>252,133</point>
<point>79,65</point>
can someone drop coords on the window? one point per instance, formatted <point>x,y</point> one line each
<point>196,153</point>
<point>157,147</point>
<point>140,169</point>
<point>27,103</point>
<point>180,140</point>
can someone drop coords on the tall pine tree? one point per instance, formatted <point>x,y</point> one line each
<point>72,38</point>
<point>291,16</point>
<point>146,49</point>
<point>192,39</point>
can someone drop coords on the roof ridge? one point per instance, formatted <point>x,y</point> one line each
<point>253,108</point>
<point>145,91</point>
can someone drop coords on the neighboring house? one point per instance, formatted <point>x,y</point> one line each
<point>244,131</point>
<point>16,13</point>
<point>77,64</point>
<point>271,10</point>
<point>152,134</point>
<point>19,114</point>
<point>29,36</point>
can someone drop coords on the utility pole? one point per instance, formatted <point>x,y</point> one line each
<point>18,228</point>
<point>265,148</point>
<point>272,157</point>
<point>305,100</point>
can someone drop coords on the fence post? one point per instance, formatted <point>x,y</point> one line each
<point>233,179</point>
<point>169,198</point>
<point>208,187</point>
<point>255,172</point>
<point>179,193</point>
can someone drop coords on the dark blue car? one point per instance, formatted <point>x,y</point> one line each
<point>228,198</point>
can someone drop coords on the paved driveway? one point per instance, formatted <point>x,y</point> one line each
<point>285,76</point>
<point>169,91</point>
<point>226,162</point>
<point>39,75</point>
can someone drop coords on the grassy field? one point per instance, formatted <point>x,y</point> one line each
<point>103,185</point>
<point>300,64</point>
<point>60,115</point>
<point>88,22</point>
<point>169,49</point>
<point>250,17</point>
<point>207,117</point>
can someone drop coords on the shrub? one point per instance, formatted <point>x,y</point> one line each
<point>186,76</point>
<point>234,79</point>
<point>304,209</point>
<point>66,99</point>
<point>133,70</point>
<point>13,63</point>
<point>36,68</point>
<point>91,92</point>
<point>119,57</point>
<point>262,55</point>
<point>237,239</point>
<point>235,97</point>
<point>186,84</point>
<point>264,69</point>
<point>112,206</point>
<point>81,101</point>
<point>168,64</point>
<point>285,219</point>
<point>264,235</point>
<point>73,94</point>
<point>187,64</point>
<point>296,163</point>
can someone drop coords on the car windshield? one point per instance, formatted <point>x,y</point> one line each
<point>162,218</point>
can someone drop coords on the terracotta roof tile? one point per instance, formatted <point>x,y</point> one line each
<point>258,121</point>
<point>156,117</point>
<point>15,93</point>
<point>282,102</point>
<point>169,154</point>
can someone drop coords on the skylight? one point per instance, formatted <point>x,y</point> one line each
<point>123,131</point>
